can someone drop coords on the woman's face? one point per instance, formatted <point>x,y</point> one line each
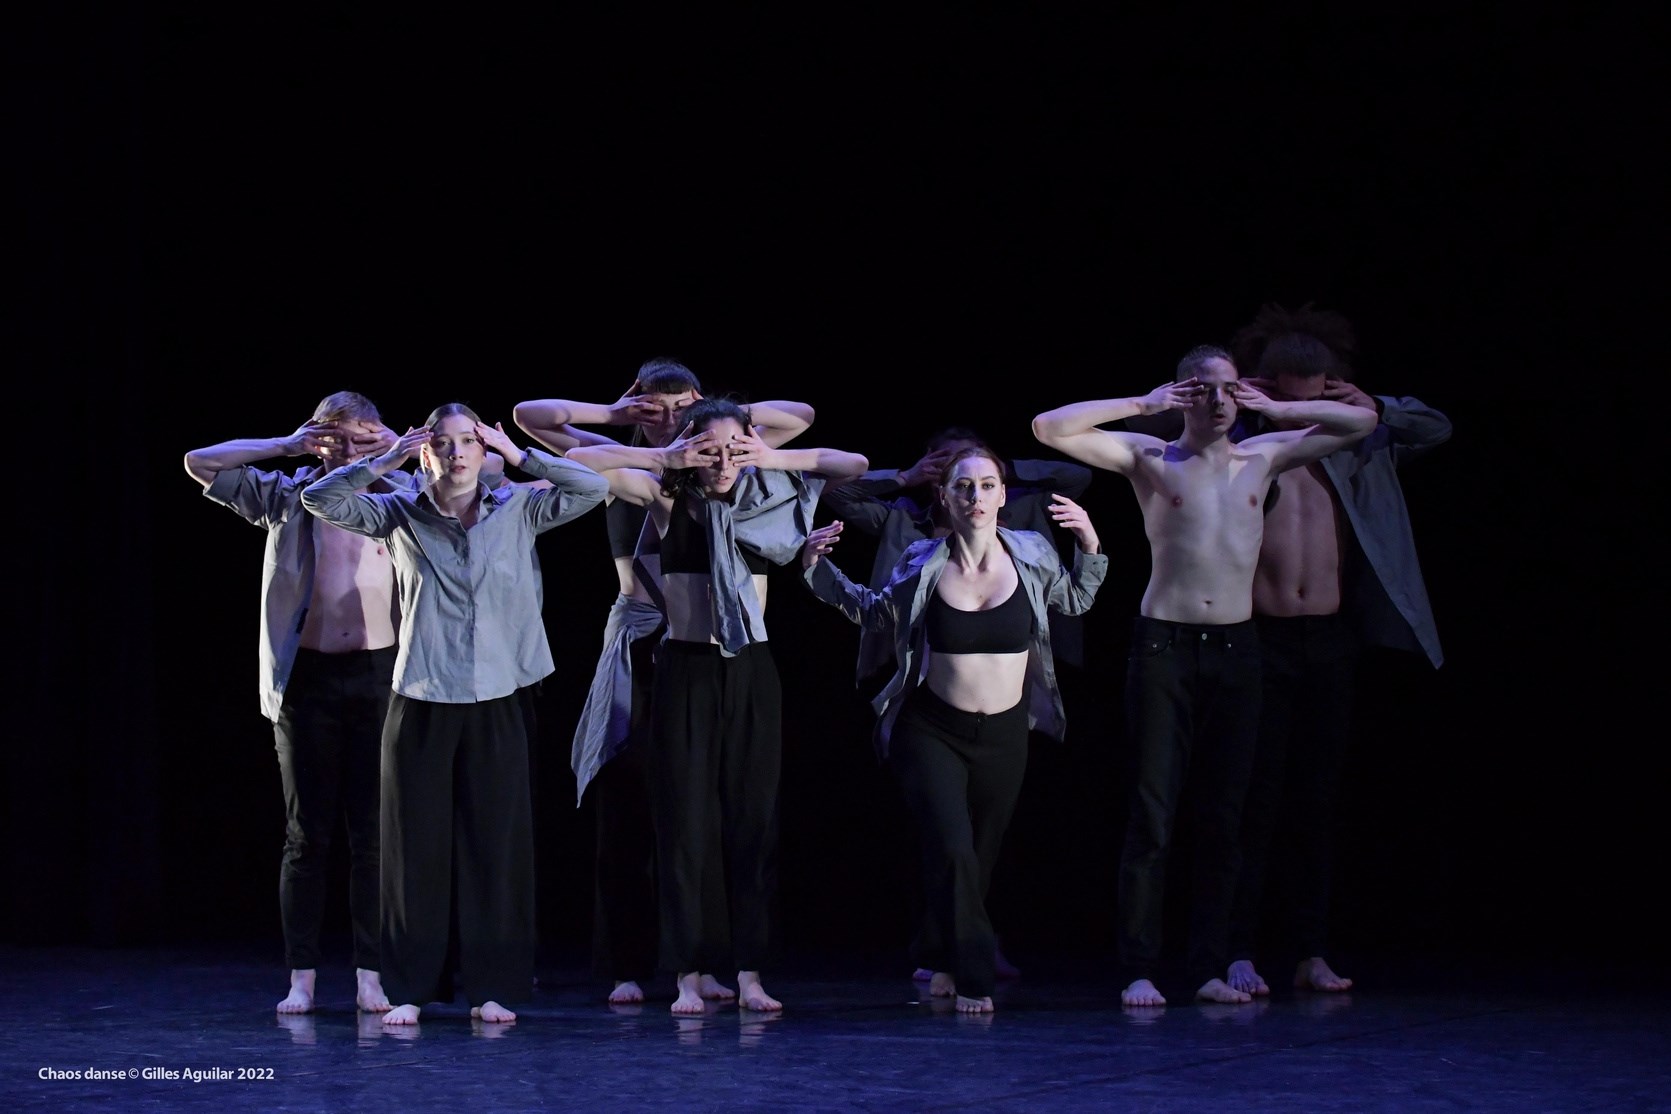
<point>670,415</point>
<point>973,491</point>
<point>720,475</point>
<point>454,454</point>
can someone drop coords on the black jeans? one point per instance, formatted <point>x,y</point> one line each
<point>1305,723</point>
<point>1192,717</point>
<point>327,738</point>
<point>960,773</point>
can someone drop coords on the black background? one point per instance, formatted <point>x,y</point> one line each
<point>956,216</point>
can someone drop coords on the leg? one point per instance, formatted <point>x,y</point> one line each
<point>1316,766</point>
<point>419,741</point>
<point>372,679</point>
<point>928,753</point>
<point>683,778</point>
<point>1227,727</point>
<point>1159,676</point>
<point>493,831</point>
<point>997,766</point>
<point>307,740</point>
<point>624,909</point>
<point>751,770</point>
<point>1281,671</point>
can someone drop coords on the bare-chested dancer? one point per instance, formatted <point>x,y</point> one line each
<point>1192,682</point>
<point>328,633</point>
<point>1337,572</point>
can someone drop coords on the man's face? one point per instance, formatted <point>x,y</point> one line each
<point>360,439</point>
<point>454,454</point>
<point>1215,410</point>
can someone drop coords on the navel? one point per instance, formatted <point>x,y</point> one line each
<point>1177,500</point>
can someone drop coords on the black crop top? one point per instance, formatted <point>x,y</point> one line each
<point>624,520</point>
<point>684,548</point>
<point>1005,629</point>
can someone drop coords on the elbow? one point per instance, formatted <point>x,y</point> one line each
<point>1044,431</point>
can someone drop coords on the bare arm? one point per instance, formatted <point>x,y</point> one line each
<point>1329,426</point>
<point>1072,429</point>
<point>779,422</point>
<point>206,463</point>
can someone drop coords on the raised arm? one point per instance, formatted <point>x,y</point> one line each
<point>780,421</point>
<point>1072,429</point>
<point>552,421</point>
<point>870,610</point>
<point>573,488</point>
<point>1411,427</point>
<point>1329,426</point>
<point>336,497</point>
<point>312,439</point>
<point>1073,592</point>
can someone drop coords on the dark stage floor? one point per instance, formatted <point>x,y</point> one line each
<point>1413,1036</point>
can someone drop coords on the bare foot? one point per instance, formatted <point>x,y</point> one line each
<point>1141,992</point>
<point>690,994</point>
<point>1315,974</point>
<point>921,974</point>
<point>402,1015</point>
<point>752,996</point>
<point>1001,965</point>
<point>625,993</point>
<point>973,1005</point>
<point>369,994</point>
<point>712,990</point>
<point>942,985</point>
<point>1217,990</point>
<point>300,998</point>
<point>1243,977</point>
<point>492,1012</point>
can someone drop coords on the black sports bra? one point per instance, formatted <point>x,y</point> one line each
<point>684,548</point>
<point>1005,629</point>
<point>624,521</point>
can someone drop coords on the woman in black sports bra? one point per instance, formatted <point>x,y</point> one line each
<point>968,617</point>
<point>609,746</point>
<point>726,505</point>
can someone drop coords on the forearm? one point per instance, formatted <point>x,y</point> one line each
<point>335,496</point>
<point>831,463</point>
<point>870,610</point>
<point>551,414</point>
<point>603,457</point>
<point>1331,417</point>
<point>1412,424</point>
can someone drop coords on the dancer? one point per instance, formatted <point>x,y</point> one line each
<point>1337,572</point>
<point>1192,682</point>
<point>968,617</point>
<point>456,807</point>
<point>609,747</point>
<point>327,653</point>
<point>725,505</point>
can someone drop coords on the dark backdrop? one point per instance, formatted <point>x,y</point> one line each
<point>907,221</point>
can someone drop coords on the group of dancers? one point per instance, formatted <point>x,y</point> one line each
<point>402,634</point>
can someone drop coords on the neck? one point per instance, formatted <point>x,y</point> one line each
<point>973,548</point>
<point>452,498</point>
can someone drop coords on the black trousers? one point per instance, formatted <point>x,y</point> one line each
<point>624,936</point>
<point>327,737</point>
<point>1192,719</point>
<point>457,814</point>
<point>960,774</point>
<point>716,760</point>
<point>1288,823</point>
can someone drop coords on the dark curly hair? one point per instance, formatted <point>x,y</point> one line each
<point>1305,342</point>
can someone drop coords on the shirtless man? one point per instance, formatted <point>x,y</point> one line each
<point>1337,571</point>
<point>1192,684</point>
<point>328,633</point>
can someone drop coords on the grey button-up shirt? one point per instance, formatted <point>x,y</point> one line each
<point>273,501</point>
<point>471,628</point>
